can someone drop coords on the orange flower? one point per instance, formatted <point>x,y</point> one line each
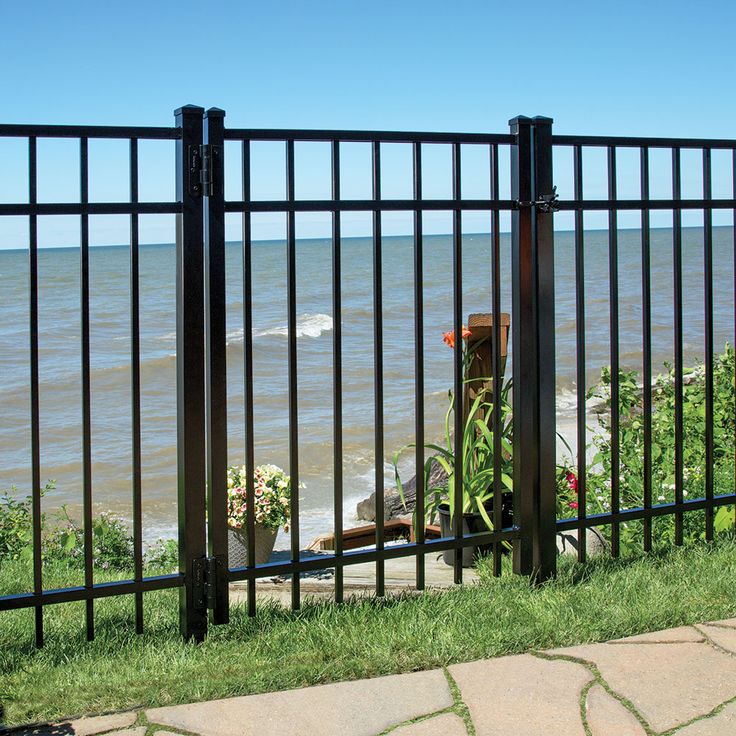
<point>449,337</point>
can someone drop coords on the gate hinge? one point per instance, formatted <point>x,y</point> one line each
<point>207,574</point>
<point>546,202</point>
<point>201,169</point>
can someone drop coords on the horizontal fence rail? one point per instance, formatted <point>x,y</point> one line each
<point>204,145</point>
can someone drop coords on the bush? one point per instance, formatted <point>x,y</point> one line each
<point>112,544</point>
<point>631,434</point>
<point>16,524</point>
<point>63,541</point>
<point>163,554</point>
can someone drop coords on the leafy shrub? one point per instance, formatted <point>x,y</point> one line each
<point>16,524</point>
<point>112,544</point>
<point>63,541</point>
<point>163,554</point>
<point>631,448</point>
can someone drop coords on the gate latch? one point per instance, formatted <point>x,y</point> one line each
<point>201,166</point>
<point>546,202</point>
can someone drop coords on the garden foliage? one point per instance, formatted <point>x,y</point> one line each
<point>632,449</point>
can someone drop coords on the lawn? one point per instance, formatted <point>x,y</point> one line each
<point>323,643</point>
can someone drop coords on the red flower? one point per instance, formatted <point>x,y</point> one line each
<point>449,337</point>
<point>573,504</point>
<point>572,481</point>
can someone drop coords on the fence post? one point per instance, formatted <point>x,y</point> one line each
<point>545,552</point>
<point>523,336</point>
<point>532,243</point>
<point>215,364</point>
<point>190,385</point>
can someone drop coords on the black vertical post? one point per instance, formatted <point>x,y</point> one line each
<point>86,388</point>
<point>135,387</point>
<point>190,384</point>
<point>215,363</point>
<point>545,554</point>
<point>534,349</point>
<point>337,432</point>
<point>34,385</point>
<point>523,336</point>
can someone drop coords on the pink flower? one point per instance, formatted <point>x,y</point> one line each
<point>572,482</point>
<point>573,504</point>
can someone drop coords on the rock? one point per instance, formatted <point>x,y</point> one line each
<point>366,509</point>
<point>393,507</point>
<point>595,542</point>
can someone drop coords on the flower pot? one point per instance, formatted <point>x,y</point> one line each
<point>237,545</point>
<point>473,524</point>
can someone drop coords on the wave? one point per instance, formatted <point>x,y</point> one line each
<point>307,325</point>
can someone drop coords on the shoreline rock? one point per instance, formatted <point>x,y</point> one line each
<point>393,508</point>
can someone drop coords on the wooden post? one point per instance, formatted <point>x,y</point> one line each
<point>478,375</point>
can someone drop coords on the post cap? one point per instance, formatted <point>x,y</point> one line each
<point>189,110</point>
<point>214,112</point>
<point>520,119</point>
<point>542,120</point>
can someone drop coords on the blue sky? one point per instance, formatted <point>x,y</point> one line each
<point>623,68</point>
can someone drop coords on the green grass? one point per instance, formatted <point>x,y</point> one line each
<point>324,643</point>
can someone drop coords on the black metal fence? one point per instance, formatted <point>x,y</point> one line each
<point>200,209</point>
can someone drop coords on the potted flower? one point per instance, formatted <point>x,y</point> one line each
<point>272,494</point>
<point>477,486</point>
<point>478,460</point>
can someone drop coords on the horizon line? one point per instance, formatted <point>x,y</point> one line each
<point>351,237</point>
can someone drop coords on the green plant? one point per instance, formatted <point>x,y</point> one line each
<point>477,482</point>
<point>631,448</point>
<point>16,523</point>
<point>163,554</point>
<point>112,543</point>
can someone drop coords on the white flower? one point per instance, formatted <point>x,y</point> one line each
<point>660,498</point>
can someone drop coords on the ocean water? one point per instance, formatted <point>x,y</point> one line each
<point>59,341</point>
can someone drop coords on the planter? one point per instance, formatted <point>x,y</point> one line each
<point>237,545</point>
<point>473,524</point>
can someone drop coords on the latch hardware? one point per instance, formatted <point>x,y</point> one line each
<point>546,202</point>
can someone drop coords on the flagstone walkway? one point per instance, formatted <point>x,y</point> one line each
<point>676,682</point>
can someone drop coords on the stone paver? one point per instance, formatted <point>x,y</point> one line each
<point>607,717</point>
<point>722,724</point>
<point>448,724</point>
<point>722,637</point>
<point>730,622</point>
<point>668,636</point>
<point>368,706</point>
<point>166,733</point>
<point>523,695</point>
<point>138,731</point>
<point>668,684</point>
<point>115,722</point>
